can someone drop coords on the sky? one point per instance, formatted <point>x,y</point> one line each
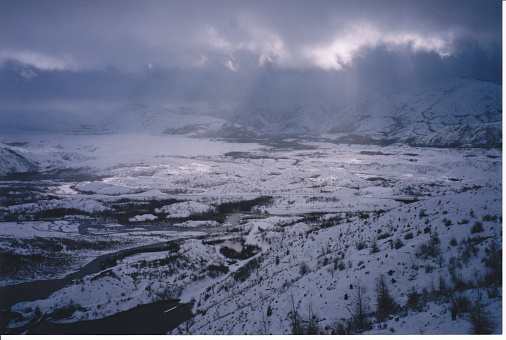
<point>94,55</point>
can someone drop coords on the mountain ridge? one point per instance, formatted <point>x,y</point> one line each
<point>405,116</point>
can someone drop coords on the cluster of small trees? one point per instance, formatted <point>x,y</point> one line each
<point>474,310</point>
<point>301,326</point>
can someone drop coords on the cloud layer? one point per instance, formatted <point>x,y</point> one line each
<point>225,50</point>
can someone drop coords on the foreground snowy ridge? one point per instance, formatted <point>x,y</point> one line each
<point>428,254</point>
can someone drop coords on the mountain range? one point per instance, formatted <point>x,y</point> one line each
<point>458,112</point>
<point>461,112</point>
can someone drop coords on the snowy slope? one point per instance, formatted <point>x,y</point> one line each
<point>476,135</point>
<point>317,272</point>
<point>11,162</point>
<point>292,119</point>
<point>427,109</point>
<point>393,113</point>
<point>173,121</point>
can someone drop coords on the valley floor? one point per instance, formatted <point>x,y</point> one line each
<point>302,236</point>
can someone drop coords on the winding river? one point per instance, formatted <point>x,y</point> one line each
<point>120,323</point>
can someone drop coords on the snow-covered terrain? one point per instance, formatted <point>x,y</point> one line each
<point>327,199</point>
<point>265,234</point>
<point>172,121</point>
<point>399,114</point>
<point>477,135</point>
<point>319,271</point>
<point>438,114</point>
<point>452,113</point>
<point>11,162</point>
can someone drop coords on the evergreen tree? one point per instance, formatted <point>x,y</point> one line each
<point>479,317</point>
<point>386,304</point>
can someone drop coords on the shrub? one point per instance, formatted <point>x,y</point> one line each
<point>245,271</point>
<point>304,268</point>
<point>408,236</point>
<point>244,205</point>
<point>374,247</point>
<point>67,311</point>
<point>383,236</point>
<point>360,245</point>
<point>398,244</point>
<point>216,270</point>
<point>247,251</point>
<point>431,248</point>
<point>459,305</point>
<point>341,329</point>
<point>477,227</point>
<point>479,317</point>
<point>458,283</point>
<point>415,301</point>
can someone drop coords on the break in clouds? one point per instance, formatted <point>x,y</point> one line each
<point>237,52</point>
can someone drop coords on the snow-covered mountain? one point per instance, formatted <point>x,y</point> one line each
<point>11,162</point>
<point>295,119</point>
<point>425,110</point>
<point>476,135</point>
<point>393,113</point>
<point>173,121</point>
<point>446,113</point>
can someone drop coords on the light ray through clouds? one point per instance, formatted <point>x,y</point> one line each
<point>198,51</point>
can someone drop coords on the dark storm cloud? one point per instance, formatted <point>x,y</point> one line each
<point>238,51</point>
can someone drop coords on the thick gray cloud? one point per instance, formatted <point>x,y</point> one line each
<point>239,52</point>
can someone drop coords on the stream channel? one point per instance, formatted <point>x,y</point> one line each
<point>154,318</point>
